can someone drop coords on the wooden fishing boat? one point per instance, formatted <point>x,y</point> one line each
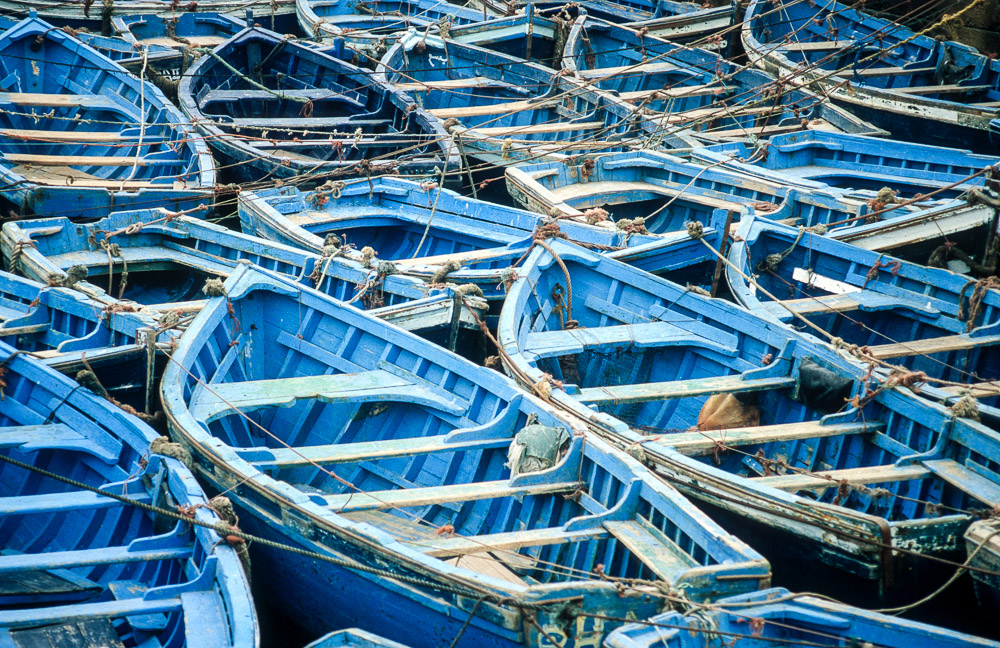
<point>665,192</point>
<point>162,262</point>
<point>137,149</point>
<point>982,541</point>
<point>862,165</point>
<point>507,110</point>
<point>916,87</point>
<point>437,235</point>
<point>353,638</point>
<point>83,12</point>
<point>332,18</point>
<point>351,438</point>
<point>82,569</point>
<point>775,618</point>
<point>274,108</point>
<point>184,30</point>
<point>900,312</point>
<point>694,93</point>
<point>527,35</point>
<point>835,476</point>
<point>69,332</point>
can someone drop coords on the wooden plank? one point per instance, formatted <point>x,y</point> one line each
<point>757,130</point>
<point>28,618</point>
<point>695,444</point>
<point>639,393</point>
<point>216,398</point>
<point>60,502</point>
<point>647,543</point>
<point>83,160</point>
<point>487,565</point>
<point>191,41</point>
<point>889,71</point>
<point>815,46</point>
<point>510,541</point>
<point>57,100</point>
<point>976,390</point>
<point>61,176</point>
<point>943,89</point>
<point>80,633</point>
<point>717,111</point>
<point>351,452</point>
<point>407,497</point>
<point>674,93</point>
<point>536,129</point>
<point>88,558</point>
<point>50,436</point>
<point>982,488</point>
<point>491,109</point>
<point>581,190</point>
<point>451,84</point>
<point>931,346</point>
<point>557,343</point>
<point>73,136</point>
<point>856,476</point>
<point>635,68</point>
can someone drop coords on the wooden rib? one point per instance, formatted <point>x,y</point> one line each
<point>855,476</point>
<point>696,444</point>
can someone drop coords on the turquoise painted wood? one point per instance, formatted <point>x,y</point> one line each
<point>341,434</point>
<point>91,569</point>
<point>638,358</point>
<point>776,617</point>
<point>137,150</point>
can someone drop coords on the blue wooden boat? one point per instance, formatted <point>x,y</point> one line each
<point>291,111</point>
<point>784,439</point>
<point>862,165</point>
<point>916,87</point>
<point>376,448</point>
<point>507,110</point>
<point>353,638</point>
<point>137,151</point>
<point>665,192</point>
<point>326,18</point>
<point>982,542</point>
<point>85,13</point>
<point>162,262</point>
<point>527,35</point>
<point>900,312</point>
<point>69,332</point>
<point>690,92</point>
<point>438,235</point>
<point>81,569</point>
<point>776,618</point>
<point>184,30</point>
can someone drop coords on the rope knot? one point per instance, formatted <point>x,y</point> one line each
<point>214,287</point>
<point>695,229</point>
<point>966,407</point>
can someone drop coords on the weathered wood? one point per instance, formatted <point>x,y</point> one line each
<point>674,93</point>
<point>619,188</point>
<point>510,541</point>
<point>890,71</point>
<point>60,502</point>
<point>821,480</point>
<point>57,100</point>
<point>637,68</point>
<point>363,450</point>
<point>620,394</point>
<point>88,558</point>
<point>83,160</point>
<point>72,136</point>
<point>502,108</point>
<point>536,129</point>
<point>407,497</point>
<point>65,176</point>
<point>716,111</point>
<point>944,89</point>
<point>815,46</point>
<point>647,543</point>
<point>704,443</point>
<point>982,488</point>
<point>816,124</point>
<point>450,84</point>
<point>931,346</point>
<point>21,618</point>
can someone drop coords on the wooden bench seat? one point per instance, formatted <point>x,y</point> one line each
<point>931,346</point>
<point>820,124</point>
<point>545,344</point>
<point>694,444</point>
<point>311,94</point>
<point>982,488</point>
<point>891,71</point>
<point>678,92</point>
<point>57,436</point>
<point>635,68</point>
<point>312,123</point>
<point>43,100</point>
<point>855,476</point>
<point>61,502</point>
<point>846,302</point>
<point>814,46</point>
<point>41,616</point>
<point>647,543</point>
<point>718,112</point>
<point>639,393</point>
<point>407,497</point>
<point>942,89</point>
<point>582,190</point>
<point>78,136</point>
<point>510,541</point>
<point>86,160</point>
<point>452,84</point>
<point>536,129</point>
<point>490,109</point>
<point>216,399</point>
<point>88,557</point>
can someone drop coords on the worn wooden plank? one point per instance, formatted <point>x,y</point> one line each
<point>509,541</point>
<point>363,450</point>
<point>60,502</point>
<point>704,443</point>
<point>536,129</point>
<point>450,84</point>
<point>647,543</point>
<point>674,93</point>
<point>634,69</point>
<point>929,346</point>
<point>814,46</point>
<point>579,190</point>
<point>982,488</point>
<point>82,633</point>
<point>501,108</point>
<point>816,124</point>
<point>619,394</point>
<point>890,71</point>
<point>31,438</point>
<point>716,111</point>
<point>216,398</point>
<point>27,618</point>
<point>73,136</point>
<point>556,343</point>
<point>856,476</point>
<point>69,177</point>
<point>83,160</point>
<point>57,100</point>
<point>407,497</point>
<point>88,558</point>
<point>983,389</point>
<point>189,41</point>
<point>945,89</point>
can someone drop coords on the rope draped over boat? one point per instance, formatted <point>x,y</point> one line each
<point>980,289</point>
